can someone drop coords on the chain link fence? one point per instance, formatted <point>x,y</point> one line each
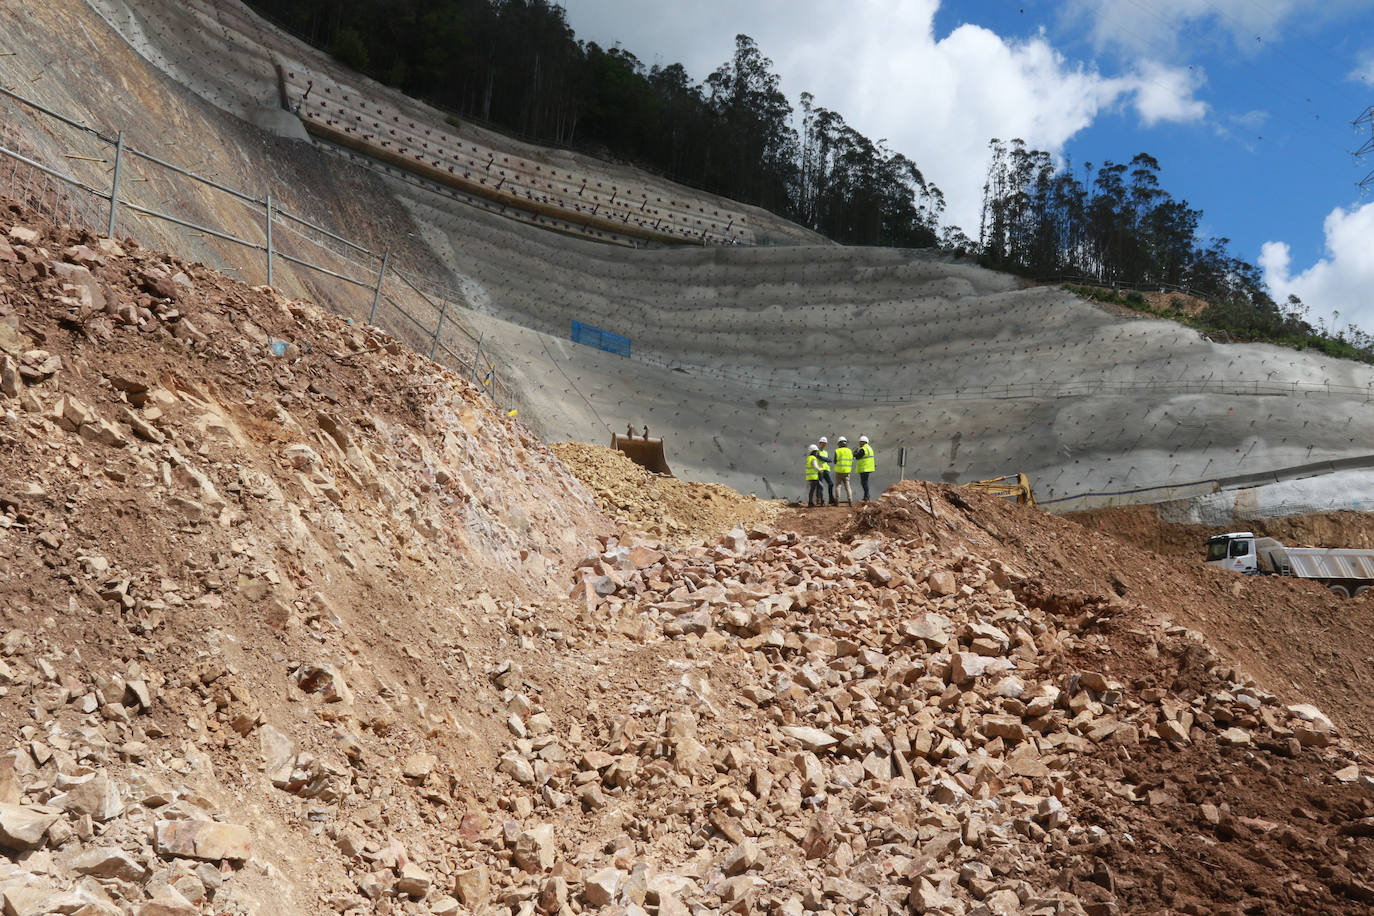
<point>105,186</point>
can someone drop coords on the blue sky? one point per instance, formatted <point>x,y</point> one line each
<point>1247,104</point>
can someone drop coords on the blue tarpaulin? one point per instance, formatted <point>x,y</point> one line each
<point>602,340</point>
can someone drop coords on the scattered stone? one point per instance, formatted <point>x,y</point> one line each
<point>23,826</point>
<point>208,840</point>
<point>534,849</point>
<point>472,887</point>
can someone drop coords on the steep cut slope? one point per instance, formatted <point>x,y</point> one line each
<point>739,357</point>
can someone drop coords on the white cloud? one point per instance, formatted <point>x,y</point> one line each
<point>1166,93</point>
<point>1338,282</point>
<point>881,66</point>
<point>1364,68</point>
<point>959,91</point>
<point>1161,27</point>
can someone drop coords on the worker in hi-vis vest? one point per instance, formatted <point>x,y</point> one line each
<point>865,463</point>
<point>823,453</point>
<point>844,464</point>
<point>813,478</point>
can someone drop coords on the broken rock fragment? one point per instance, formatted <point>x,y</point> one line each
<point>197,839</point>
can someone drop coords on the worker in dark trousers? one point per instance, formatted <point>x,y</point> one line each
<point>813,478</point>
<point>823,453</point>
<point>844,464</point>
<point>865,462</point>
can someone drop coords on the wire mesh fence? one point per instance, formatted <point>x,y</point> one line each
<point>100,183</point>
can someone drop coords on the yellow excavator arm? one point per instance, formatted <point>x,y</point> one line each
<point>1012,486</point>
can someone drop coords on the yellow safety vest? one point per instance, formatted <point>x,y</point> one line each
<point>844,460</point>
<point>867,463</point>
<point>825,459</point>
<point>813,468</point>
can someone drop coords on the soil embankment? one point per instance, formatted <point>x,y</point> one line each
<point>297,622</point>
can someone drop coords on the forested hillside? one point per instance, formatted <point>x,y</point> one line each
<point>1119,227</point>
<point>518,65</point>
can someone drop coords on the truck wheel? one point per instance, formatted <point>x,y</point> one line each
<point>1340,591</point>
<point>1361,590</point>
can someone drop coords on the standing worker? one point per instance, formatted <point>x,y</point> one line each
<point>813,478</point>
<point>844,463</point>
<point>866,463</point>
<point>823,453</point>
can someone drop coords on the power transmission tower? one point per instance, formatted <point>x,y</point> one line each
<point>1363,123</point>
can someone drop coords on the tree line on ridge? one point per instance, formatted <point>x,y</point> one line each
<point>517,65</point>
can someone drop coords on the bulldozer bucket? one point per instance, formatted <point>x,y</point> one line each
<point>647,453</point>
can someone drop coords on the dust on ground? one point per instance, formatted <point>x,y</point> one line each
<point>673,510</point>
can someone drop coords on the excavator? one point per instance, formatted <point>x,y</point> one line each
<point>643,451</point>
<point>1011,486</point>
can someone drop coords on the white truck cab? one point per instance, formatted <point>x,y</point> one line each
<point>1234,551</point>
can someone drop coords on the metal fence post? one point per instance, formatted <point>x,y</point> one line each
<point>269,240</point>
<point>438,329</point>
<point>114,186</point>
<point>377,293</point>
<point>477,357</point>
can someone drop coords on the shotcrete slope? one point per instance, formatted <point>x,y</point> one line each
<point>740,357</point>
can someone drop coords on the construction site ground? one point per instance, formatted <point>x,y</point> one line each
<point>738,355</point>
<point>319,629</point>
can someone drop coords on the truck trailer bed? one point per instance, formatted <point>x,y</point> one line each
<point>1322,563</point>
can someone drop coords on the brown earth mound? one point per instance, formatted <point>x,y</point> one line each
<point>295,622</point>
<point>1141,526</point>
<point>1294,636</point>
<point>676,511</point>
<point>215,507</point>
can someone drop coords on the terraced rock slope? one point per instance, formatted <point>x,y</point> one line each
<point>740,356</point>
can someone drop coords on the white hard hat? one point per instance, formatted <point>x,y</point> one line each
<point>863,438</point>
<point>812,448</point>
<point>842,439</point>
<point>822,439</point>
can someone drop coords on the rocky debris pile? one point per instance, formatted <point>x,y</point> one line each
<point>1292,635</point>
<point>292,621</point>
<point>97,816</point>
<point>245,551</point>
<point>889,724</point>
<point>675,511</point>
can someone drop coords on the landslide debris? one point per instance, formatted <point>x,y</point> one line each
<point>247,552</point>
<point>896,723</point>
<point>321,632</point>
<point>677,511</point>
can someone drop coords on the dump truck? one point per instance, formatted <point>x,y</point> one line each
<point>1344,571</point>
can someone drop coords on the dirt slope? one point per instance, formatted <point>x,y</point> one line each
<point>294,622</point>
<point>1294,635</point>
<point>678,511</point>
<point>187,510</point>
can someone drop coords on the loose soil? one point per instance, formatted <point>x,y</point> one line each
<point>675,511</point>
<point>351,548</point>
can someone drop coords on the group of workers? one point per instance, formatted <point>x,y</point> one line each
<point>821,484</point>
